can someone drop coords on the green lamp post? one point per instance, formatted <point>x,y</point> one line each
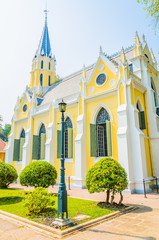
<point>62,193</point>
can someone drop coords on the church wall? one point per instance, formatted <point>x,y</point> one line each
<point>22,114</point>
<point>140,96</point>
<point>111,104</point>
<point>107,86</point>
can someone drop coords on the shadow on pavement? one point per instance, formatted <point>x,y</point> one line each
<point>120,234</point>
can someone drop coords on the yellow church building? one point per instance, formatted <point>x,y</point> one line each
<point>112,110</point>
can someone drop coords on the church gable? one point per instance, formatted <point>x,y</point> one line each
<point>103,78</point>
<point>23,107</point>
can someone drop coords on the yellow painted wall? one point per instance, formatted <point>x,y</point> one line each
<point>19,128</point>
<point>22,114</point>
<point>80,106</point>
<point>36,71</point>
<point>2,156</point>
<point>17,166</point>
<point>112,103</point>
<point>121,94</point>
<point>106,86</point>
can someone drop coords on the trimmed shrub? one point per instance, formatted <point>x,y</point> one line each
<point>38,174</point>
<point>38,200</point>
<point>8,174</point>
<point>107,174</point>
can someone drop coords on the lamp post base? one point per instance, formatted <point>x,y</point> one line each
<point>62,222</point>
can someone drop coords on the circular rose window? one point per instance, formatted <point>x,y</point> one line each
<point>25,108</point>
<point>101,79</point>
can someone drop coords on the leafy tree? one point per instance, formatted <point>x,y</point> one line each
<point>1,120</point>
<point>38,174</point>
<point>107,175</point>
<point>7,129</point>
<point>8,174</point>
<point>152,8</point>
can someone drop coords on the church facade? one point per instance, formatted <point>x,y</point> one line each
<point>112,110</point>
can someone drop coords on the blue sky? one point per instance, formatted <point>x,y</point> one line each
<point>76,28</point>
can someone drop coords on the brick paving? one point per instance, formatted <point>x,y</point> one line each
<point>141,224</point>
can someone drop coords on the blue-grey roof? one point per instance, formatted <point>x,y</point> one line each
<point>44,48</point>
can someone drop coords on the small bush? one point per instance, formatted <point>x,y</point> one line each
<point>38,174</point>
<point>107,174</point>
<point>38,200</point>
<point>8,174</point>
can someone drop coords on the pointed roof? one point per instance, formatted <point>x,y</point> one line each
<point>44,48</point>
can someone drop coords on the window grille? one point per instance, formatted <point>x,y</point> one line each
<point>68,124</point>
<point>42,130</point>
<point>101,142</point>
<point>66,144</point>
<point>103,115</point>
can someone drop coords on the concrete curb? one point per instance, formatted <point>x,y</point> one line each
<point>55,233</point>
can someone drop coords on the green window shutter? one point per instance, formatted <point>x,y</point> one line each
<point>16,150</point>
<point>22,141</point>
<point>42,150</point>
<point>93,140</point>
<point>35,147</point>
<point>70,143</point>
<point>142,123</point>
<point>58,143</point>
<point>109,139</point>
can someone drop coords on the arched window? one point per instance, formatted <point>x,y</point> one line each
<point>49,65</point>
<point>141,116</point>
<point>49,81</point>
<point>100,135</point>
<point>42,64</point>
<point>68,138</point>
<point>153,87</point>
<point>42,140</point>
<point>138,106</point>
<point>41,79</point>
<point>22,141</point>
<point>102,117</point>
<point>22,135</point>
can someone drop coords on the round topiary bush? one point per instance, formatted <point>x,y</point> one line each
<point>38,174</point>
<point>107,174</point>
<point>8,174</point>
<point>38,200</point>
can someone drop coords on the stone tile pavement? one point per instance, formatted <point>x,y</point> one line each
<point>141,224</point>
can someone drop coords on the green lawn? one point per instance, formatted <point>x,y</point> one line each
<point>11,201</point>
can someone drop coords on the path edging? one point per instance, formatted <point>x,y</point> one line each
<point>46,230</point>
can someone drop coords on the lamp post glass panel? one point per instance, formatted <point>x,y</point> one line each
<point>62,193</point>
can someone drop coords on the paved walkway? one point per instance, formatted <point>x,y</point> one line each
<point>142,223</point>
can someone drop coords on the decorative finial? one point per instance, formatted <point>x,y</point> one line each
<point>100,50</point>
<point>143,38</point>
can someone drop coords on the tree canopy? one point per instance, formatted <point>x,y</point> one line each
<point>152,8</point>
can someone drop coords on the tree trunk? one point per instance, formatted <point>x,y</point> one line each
<point>121,198</point>
<point>107,197</point>
<point>112,198</point>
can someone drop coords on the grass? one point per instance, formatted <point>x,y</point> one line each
<point>11,200</point>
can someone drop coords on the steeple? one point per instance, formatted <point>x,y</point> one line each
<point>44,48</point>
<point>43,73</point>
